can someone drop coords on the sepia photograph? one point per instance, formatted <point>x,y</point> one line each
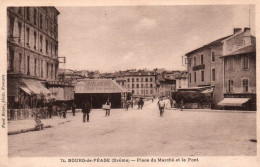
<point>161,81</point>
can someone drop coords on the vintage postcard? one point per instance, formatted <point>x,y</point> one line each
<point>112,83</point>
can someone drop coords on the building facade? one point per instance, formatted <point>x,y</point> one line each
<point>182,80</point>
<point>239,61</point>
<point>205,68</point>
<point>32,50</point>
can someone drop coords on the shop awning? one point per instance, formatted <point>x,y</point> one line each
<point>36,86</point>
<point>25,89</point>
<point>233,102</point>
<point>98,86</point>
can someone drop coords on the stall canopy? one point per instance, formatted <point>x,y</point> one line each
<point>236,102</point>
<point>98,86</point>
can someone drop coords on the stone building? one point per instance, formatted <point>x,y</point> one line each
<point>206,68</point>
<point>32,51</point>
<point>239,60</point>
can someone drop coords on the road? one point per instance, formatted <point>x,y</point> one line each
<point>143,133</point>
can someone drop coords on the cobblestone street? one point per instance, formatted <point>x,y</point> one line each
<point>143,133</point>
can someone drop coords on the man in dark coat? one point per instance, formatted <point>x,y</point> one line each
<point>50,106</point>
<point>73,108</point>
<point>86,110</point>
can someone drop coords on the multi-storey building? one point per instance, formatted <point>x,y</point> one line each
<point>141,83</point>
<point>32,53</point>
<point>206,68</point>
<point>182,80</point>
<point>239,60</point>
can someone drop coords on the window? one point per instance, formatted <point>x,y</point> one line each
<point>28,65</point>
<point>47,70</point>
<point>19,31</point>
<point>40,21</point>
<point>34,34</point>
<point>137,79</point>
<point>245,85</point>
<point>194,61</point>
<point>27,36</point>
<point>146,85</point>
<point>51,48</point>
<point>151,79</point>
<point>212,56</point>
<point>20,11</point>
<point>195,77</point>
<point>51,71</point>
<point>245,62</point>
<point>190,77</point>
<point>230,85</point>
<point>202,76</point>
<point>142,79</point>
<point>128,80</point>
<point>11,27</point>
<point>146,91</point>
<point>213,74</point>
<point>47,25</point>
<point>230,63</point>
<point>47,47</point>
<point>11,60</point>
<point>179,83</point>
<point>35,66</point>
<point>146,79</point>
<point>151,92</point>
<point>133,85</point>
<point>201,59</point>
<point>142,85</point>
<point>27,13</point>
<point>137,85</point>
<point>34,16</point>
<point>51,28</point>
<point>151,85</point>
<point>41,69</point>
<point>189,62</point>
<point>133,79</point>
<point>41,43</point>
<point>20,62</point>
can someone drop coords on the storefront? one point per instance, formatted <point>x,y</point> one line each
<point>98,91</point>
<point>26,93</point>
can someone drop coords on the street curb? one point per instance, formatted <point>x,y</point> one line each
<point>33,129</point>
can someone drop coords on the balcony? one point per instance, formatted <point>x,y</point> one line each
<point>198,67</point>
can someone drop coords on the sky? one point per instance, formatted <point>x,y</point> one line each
<point>113,38</point>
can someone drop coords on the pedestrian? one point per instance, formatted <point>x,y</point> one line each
<point>161,105</point>
<point>171,101</point>
<point>126,105</point>
<point>73,108</point>
<point>141,103</point>
<point>50,109</point>
<point>152,99</point>
<point>107,107</point>
<point>64,110</point>
<point>182,106</point>
<point>38,123</point>
<point>86,110</point>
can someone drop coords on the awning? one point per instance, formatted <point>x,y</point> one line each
<point>233,102</point>
<point>25,89</point>
<point>36,86</point>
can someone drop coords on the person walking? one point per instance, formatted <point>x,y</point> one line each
<point>50,109</point>
<point>86,110</point>
<point>141,103</point>
<point>161,105</point>
<point>64,110</point>
<point>107,106</point>
<point>73,108</point>
<point>126,105</point>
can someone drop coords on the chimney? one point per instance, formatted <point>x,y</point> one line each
<point>246,29</point>
<point>237,30</point>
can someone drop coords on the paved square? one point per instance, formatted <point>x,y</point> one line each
<point>143,133</point>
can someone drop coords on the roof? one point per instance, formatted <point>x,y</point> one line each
<point>216,42</point>
<point>98,86</point>
<point>246,49</point>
